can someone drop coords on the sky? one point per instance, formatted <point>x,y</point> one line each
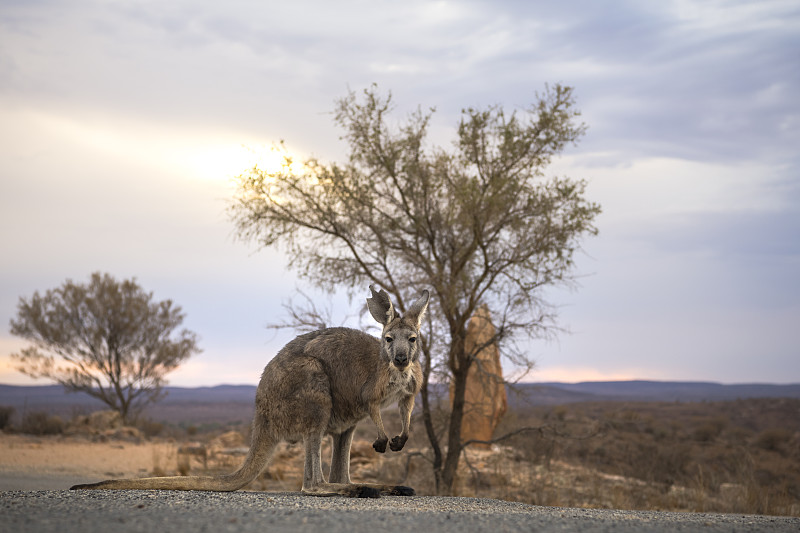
<point>122,124</point>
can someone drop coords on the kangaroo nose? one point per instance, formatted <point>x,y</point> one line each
<point>400,359</point>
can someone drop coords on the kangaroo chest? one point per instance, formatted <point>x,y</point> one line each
<point>399,385</point>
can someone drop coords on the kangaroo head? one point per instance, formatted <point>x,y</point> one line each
<point>399,338</point>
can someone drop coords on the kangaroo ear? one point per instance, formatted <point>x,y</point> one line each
<point>380,307</point>
<point>418,308</point>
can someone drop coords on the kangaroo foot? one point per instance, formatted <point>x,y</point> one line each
<point>401,490</point>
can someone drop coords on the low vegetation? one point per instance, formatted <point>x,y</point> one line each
<point>737,457</point>
<point>741,456</point>
<point>5,417</point>
<point>41,423</point>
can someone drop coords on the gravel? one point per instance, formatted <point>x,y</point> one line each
<point>193,512</point>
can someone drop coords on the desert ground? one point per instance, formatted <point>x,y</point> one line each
<point>731,457</point>
<point>34,470</point>
<point>50,463</point>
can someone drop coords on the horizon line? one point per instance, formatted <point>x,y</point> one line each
<point>636,380</point>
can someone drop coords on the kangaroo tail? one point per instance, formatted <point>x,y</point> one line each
<point>261,450</point>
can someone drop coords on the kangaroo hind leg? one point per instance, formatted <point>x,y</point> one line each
<point>340,456</point>
<point>340,473</point>
<point>314,482</point>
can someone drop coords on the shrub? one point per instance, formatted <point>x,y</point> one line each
<point>40,423</point>
<point>773,440</point>
<point>709,428</point>
<point>5,417</point>
<point>707,431</point>
<point>150,428</point>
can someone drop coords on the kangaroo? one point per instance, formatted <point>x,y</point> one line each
<point>321,383</point>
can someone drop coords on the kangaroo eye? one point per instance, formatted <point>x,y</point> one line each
<point>412,340</point>
<point>389,339</point>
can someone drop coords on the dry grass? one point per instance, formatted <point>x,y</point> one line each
<point>736,457</point>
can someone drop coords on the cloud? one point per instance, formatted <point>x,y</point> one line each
<point>678,79</point>
<point>115,118</point>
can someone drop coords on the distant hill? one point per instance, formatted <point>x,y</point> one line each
<point>225,403</point>
<point>661,391</point>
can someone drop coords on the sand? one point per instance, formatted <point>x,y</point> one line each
<point>43,463</point>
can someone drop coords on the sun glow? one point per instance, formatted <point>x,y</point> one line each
<point>224,161</point>
<point>205,155</point>
<point>576,374</point>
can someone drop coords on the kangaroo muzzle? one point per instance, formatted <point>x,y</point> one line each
<point>400,360</point>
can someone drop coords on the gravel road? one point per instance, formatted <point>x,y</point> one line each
<point>192,512</point>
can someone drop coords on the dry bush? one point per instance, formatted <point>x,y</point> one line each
<point>668,456</point>
<point>774,440</point>
<point>149,427</point>
<point>6,413</point>
<point>184,464</point>
<point>708,457</point>
<point>41,423</point>
<point>708,429</point>
<point>160,458</point>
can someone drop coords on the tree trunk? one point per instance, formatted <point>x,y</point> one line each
<point>124,412</point>
<point>428,420</point>
<point>454,445</point>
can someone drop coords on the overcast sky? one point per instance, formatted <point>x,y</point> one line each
<point>122,123</point>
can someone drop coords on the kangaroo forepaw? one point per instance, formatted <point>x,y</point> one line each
<point>398,442</point>
<point>380,445</point>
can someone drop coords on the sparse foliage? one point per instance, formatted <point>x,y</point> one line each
<point>773,439</point>
<point>106,338</point>
<point>6,412</point>
<point>478,224</point>
<point>41,423</point>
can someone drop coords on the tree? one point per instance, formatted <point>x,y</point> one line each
<point>108,339</point>
<point>478,224</point>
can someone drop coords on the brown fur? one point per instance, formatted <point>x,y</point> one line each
<point>324,383</point>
